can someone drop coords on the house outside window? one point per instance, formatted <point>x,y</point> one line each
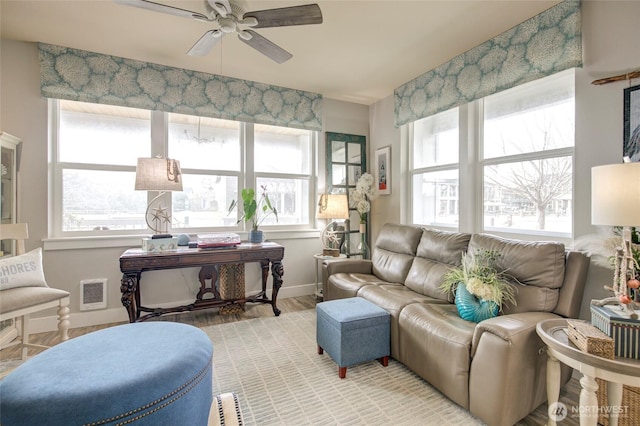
<point>519,157</point>
<point>95,150</point>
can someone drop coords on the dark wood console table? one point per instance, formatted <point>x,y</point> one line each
<point>133,262</point>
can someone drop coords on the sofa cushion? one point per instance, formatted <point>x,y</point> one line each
<point>436,344</point>
<point>394,252</point>
<point>344,284</point>
<point>437,252</point>
<point>393,298</point>
<point>538,268</point>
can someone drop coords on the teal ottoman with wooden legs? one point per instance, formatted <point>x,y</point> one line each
<point>353,331</point>
<point>150,373</point>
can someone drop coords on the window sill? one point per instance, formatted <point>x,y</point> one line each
<point>125,241</point>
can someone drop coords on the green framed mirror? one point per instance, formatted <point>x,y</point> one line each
<point>346,161</point>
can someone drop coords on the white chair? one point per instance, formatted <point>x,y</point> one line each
<point>18,303</point>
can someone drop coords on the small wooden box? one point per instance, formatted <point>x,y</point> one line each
<point>589,339</point>
<point>331,252</point>
<point>159,244</point>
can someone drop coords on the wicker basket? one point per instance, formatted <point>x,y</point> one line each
<point>589,339</point>
<point>630,404</point>
<point>593,341</point>
<point>231,281</point>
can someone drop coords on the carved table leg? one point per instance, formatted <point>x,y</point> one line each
<point>264,266</point>
<point>588,401</point>
<point>128,288</point>
<point>208,272</point>
<point>614,397</point>
<point>63,321</point>
<point>553,386</point>
<point>277,270</point>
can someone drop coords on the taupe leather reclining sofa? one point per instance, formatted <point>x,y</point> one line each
<point>495,368</point>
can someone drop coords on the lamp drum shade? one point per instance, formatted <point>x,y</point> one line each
<point>333,206</point>
<point>158,174</point>
<point>615,195</point>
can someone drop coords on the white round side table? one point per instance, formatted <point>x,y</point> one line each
<point>616,372</point>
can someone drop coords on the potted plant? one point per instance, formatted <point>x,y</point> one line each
<point>251,211</point>
<point>480,289</point>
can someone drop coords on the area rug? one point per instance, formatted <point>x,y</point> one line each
<point>272,365</point>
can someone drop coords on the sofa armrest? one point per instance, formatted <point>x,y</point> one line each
<point>513,329</point>
<point>335,266</point>
<point>508,362</point>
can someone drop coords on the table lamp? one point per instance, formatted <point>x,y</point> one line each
<point>162,175</point>
<point>333,206</point>
<point>615,201</point>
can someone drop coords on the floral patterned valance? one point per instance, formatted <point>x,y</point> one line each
<point>79,75</point>
<point>543,45</point>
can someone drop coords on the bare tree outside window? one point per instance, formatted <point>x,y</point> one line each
<point>528,141</point>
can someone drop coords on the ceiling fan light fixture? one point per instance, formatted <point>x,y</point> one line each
<point>229,15</point>
<point>227,25</point>
<point>245,35</point>
<point>249,21</point>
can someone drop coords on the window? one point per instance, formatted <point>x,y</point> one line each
<point>520,158</point>
<point>209,152</point>
<point>527,161</point>
<point>282,164</point>
<point>435,169</point>
<point>95,151</point>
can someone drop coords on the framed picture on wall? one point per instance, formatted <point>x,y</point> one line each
<point>631,147</point>
<point>383,170</point>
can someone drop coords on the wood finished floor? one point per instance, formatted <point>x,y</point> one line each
<point>568,394</point>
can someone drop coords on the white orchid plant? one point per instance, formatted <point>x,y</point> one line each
<point>365,192</point>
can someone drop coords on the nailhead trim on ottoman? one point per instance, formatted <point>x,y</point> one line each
<point>353,331</point>
<point>155,373</point>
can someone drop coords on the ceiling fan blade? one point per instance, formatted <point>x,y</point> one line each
<point>222,7</point>
<point>206,43</point>
<point>266,47</point>
<point>285,16</point>
<point>157,7</point>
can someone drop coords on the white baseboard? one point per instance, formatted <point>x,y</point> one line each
<point>119,314</point>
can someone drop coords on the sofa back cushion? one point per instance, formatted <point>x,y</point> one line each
<point>394,251</point>
<point>437,252</point>
<point>538,268</point>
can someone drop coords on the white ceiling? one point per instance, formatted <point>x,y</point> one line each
<point>361,52</point>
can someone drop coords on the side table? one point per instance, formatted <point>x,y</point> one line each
<point>616,372</point>
<point>319,257</point>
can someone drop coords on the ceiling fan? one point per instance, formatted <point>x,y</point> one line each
<point>230,16</point>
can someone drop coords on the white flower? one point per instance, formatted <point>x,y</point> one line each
<point>364,193</point>
<point>363,207</point>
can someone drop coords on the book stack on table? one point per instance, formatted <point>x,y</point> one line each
<point>218,240</point>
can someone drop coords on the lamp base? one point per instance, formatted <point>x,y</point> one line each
<point>331,252</point>
<point>158,236</point>
<point>159,244</point>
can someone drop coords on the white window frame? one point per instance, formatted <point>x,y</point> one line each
<point>471,182</point>
<point>159,122</point>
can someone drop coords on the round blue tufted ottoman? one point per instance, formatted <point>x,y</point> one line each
<point>156,373</point>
